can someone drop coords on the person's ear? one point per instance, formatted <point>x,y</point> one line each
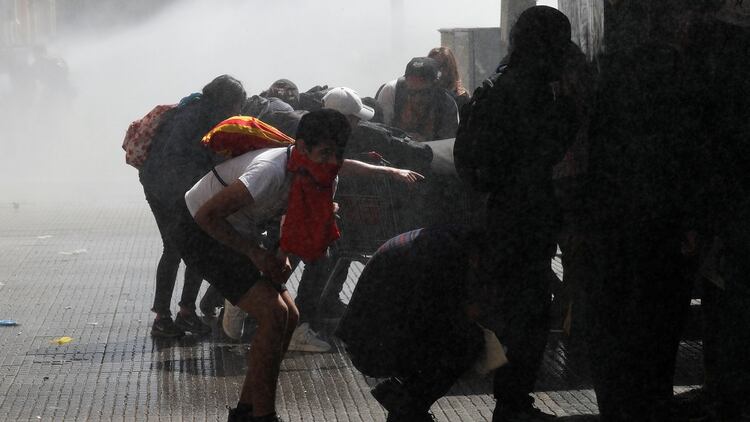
<point>300,143</point>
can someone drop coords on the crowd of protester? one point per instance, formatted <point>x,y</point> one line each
<point>634,167</point>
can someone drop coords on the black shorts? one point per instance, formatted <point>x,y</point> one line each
<point>232,273</point>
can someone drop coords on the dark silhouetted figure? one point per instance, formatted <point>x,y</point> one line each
<point>721,52</point>
<point>409,318</point>
<point>175,162</point>
<point>510,137</point>
<point>646,169</point>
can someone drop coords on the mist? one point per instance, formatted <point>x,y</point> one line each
<point>67,147</point>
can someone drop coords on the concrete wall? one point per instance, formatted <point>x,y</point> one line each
<point>509,12</point>
<point>478,52</point>
<point>587,24</point>
<point>27,22</point>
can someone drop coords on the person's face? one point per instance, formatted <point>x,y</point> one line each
<point>283,92</point>
<point>418,89</point>
<point>322,153</point>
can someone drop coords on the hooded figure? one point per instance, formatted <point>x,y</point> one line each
<point>177,159</point>
<point>539,41</point>
<point>175,162</point>
<point>285,90</point>
<point>511,136</point>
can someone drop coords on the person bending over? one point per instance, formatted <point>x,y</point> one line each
<point>411,318</point>
<point>220,231</point>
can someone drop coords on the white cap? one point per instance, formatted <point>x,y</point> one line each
<point>347,102</point>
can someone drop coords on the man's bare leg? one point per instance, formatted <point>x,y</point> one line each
<point>264,303</point>
<point>292,320</point>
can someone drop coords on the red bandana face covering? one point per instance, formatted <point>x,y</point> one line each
<point>309,227</point>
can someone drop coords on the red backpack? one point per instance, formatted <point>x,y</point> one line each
<point>240,134</point>
<point>137,140</point>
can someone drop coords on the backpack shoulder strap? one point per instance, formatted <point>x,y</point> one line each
<point>399,100</point>
<point>216,174</point>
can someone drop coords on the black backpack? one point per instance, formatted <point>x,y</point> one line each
<point>393,144</point>
<point>471,129</point>
<point>312,100</point>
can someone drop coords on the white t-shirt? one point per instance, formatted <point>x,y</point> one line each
<point>387,100</point>
<point>264,174</point>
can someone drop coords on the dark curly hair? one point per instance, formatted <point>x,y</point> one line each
<point>325,125</point>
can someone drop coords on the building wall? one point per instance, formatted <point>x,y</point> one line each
<point>27,22</point>
<point>478,51</point>
<point>587,24</point>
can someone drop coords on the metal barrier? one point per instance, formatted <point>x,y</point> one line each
<point>373,209</point>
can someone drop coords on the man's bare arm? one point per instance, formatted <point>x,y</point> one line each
<point>212,218</point>
<point>356,167</point>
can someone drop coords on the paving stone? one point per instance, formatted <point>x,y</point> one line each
<point>88,272</point>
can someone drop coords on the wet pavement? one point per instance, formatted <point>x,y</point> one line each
<point>87,272</point>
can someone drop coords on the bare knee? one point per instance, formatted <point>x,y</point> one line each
<point>271,309</point>
<point>292,317</point>
<point>274,314</point>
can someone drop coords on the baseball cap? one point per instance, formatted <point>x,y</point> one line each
<point>424,67</point>
<point>283,89</point>
<point>347,102</point>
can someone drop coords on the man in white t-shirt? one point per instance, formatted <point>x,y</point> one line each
<point>416,104</point>
<point>220,227</point>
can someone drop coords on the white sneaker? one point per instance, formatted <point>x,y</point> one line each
<point>233,321</point>
<point>304,339</point>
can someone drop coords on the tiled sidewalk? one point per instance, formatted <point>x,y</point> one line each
<point>87,273</point>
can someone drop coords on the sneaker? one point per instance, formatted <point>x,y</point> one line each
<point>525,414</point>
<point>191,323</point>
<point>237,415</point>
<point>392,395</point>
<point>165,327</point>
<point>232,320</point>
<point>304,339</point>
<point>333,311</point>
<point>210,301</point>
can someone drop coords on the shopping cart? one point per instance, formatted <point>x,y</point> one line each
<point>373,209</point>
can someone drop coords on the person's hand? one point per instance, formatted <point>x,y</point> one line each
<point>416,136</point>
<point>406,176</point>
<point>276,268</point>
<point>281,273</point>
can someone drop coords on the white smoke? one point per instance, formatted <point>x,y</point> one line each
<point>69,149</point>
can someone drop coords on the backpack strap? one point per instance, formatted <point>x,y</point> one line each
<point>440,99</point>
<point>399,101</point>
<point>223,183</point>
<point>216,174</point>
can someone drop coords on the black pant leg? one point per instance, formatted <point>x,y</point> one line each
<point>169,262</point>
<point>522,325</point>
<point>635,304</point>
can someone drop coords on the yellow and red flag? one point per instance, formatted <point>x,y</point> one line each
<point>240,134</point>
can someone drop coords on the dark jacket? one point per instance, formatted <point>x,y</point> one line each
<point>520,128</point>
<point>408,306</point>
<point>442,120</point>
<point>177,159</point>
<point>645,159</point>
